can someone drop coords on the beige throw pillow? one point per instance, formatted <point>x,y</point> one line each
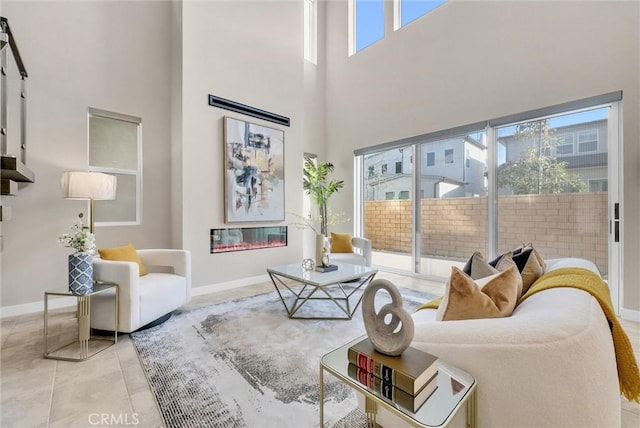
<point>533,267</point>
<point>491,297</point>
<point>477,267</point>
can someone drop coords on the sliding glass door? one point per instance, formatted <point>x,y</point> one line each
<point>551,179</point>
<point>452,202</point>
<point>553,185</point>
<point>387,213</point>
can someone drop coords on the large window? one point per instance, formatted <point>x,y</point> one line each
<point>494,185</point>
<point>410,10</point>
<point>310,30</point>
<point>367,23</point>
<point>115,148</point>
<point>557,202</point>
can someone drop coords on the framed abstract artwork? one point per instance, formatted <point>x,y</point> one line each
<point>254,172</point>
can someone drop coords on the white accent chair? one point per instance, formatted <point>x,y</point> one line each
<point>361,252</point>
<point>143,299</point>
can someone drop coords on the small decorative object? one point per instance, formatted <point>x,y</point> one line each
<point>321,247</point>
<point>80,266</point>
<point>393,337</point>
<point>325,257</point>
<point>308,264</point>
<point>329,268</point>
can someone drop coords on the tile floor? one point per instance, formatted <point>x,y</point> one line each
<point>111,389</point>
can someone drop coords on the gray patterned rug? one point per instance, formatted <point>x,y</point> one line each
<point>244,363</point>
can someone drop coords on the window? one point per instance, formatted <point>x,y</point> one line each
<point>598,185</point>
<point>404,194</point>
<point>448,156</point>
<point>564,145</point>
<point>431,158</point>
<point>367,19</point>
<point>409,10</point>
<point>467,158</point>
<point>564,149</point>
<point>389,195</point>
<point>371,171</point>
<point>588,141</point>
<point>115,148</point>
<point>310,30</point>
<point>383,169</point>
<point>399,167</point>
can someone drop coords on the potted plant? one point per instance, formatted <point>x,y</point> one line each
<point>317,186</point>
<point>80,262</point>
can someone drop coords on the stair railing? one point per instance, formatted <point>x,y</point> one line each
<point>6,38</point>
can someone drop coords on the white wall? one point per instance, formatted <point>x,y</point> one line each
<point>249,52</point>
<point>108,55</point>
<point>471,61</point>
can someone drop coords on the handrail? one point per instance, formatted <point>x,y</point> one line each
<point>14,47</point>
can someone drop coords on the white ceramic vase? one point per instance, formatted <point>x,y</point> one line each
<point>321,243</point>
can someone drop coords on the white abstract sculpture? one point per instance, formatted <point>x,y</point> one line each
<point>393,337</point>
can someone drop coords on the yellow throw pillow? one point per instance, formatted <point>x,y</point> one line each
<point>123,254</point>
<point>491,297</point>
<point>341,243</point>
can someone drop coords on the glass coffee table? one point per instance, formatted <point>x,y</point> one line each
<point>299,286</point>
<point>455,389</point>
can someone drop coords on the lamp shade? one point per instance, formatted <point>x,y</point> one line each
<point>88,185</point>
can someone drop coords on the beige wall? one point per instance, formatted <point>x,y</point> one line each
<point>457,227</point>
<point>108,55</point>
<point>249,52</point>
<point>472,61</point>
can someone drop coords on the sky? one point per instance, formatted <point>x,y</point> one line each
<point>370,18</point>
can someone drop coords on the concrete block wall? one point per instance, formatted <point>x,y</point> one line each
<point>558,225</point>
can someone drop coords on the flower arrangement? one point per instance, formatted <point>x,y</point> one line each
<point>80,239</point>
<point>314,223</point>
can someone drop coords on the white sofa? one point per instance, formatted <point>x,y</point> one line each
<point>550,364</point>
<point>361,252</point>
<point>143,299</point>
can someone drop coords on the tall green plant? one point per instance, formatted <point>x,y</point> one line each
<point>316,186</point>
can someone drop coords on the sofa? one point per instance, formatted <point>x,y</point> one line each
<point>550,364</point>
<point>144,300</point>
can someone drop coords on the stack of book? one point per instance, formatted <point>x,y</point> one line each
<point>407,380</point>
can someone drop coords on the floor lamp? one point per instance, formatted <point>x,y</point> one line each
<point>92,186</point>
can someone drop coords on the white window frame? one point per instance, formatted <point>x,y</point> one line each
<point>311,31</point>
<point>591,140</point>
<point>93,112</point>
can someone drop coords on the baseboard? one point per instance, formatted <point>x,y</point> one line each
<point>229,285</point>
<point>35,307</point>
<point>64,302</point>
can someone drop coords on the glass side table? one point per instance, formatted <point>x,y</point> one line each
<point>455,389</point>
<point>85,345</point>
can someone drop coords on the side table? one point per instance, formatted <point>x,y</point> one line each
<point>86,345</point>
<point>455,389</point>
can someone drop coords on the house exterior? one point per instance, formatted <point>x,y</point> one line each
<point>582,147</point>
<point>449,168</point>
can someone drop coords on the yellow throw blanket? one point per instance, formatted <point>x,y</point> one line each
<point>584,279</point>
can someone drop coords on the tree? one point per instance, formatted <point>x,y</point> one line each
<point>536,172</point>
<point>315,185</point>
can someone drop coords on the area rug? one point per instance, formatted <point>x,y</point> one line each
<point>244,363</point>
